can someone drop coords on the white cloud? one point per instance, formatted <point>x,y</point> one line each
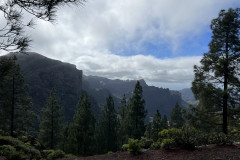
<point>92,35</point>
<point>174,71</point>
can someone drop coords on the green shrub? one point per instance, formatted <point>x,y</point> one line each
<point>168,143</point>
<point>155,145</point>
<point>134,146</point>
<point>56,154</point>
<point>8,151</point>
<point>25,150</point>
<point>109,152</point>
<point>69,156</point>
<point>125,147</point>
<point>217,138</point>
<point>186,138</point>
<point>146,142</point>
<point>173,133</point>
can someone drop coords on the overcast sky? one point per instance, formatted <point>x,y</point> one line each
<point>155,40</point>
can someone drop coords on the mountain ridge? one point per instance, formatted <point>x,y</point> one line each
<point>42,74</point>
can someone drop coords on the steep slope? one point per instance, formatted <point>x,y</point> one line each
<point>42,74</point>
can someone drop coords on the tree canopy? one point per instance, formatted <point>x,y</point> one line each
<point>219,67</point>
<point>12,36</point>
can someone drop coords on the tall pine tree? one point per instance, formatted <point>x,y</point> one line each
<point>107,128</point>
<point>84,123</point>
<point>51,122</point>
<point>136,113</point>
<point>219,67</point>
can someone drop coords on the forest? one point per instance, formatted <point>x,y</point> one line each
<point>215,120</point>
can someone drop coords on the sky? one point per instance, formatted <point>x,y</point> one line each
<point>155,40</point>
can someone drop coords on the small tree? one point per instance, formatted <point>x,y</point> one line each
<point>51,122</point>
<point>164,122</point>
<point>157,125</point>
<point>177,120</point>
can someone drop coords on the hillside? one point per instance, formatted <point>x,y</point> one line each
<point>162,99</point>
<point>42,74</point>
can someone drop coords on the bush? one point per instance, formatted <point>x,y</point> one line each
<point>155,145</point>
<point>168,143</point>
<point>24,149</point>
<point>8,151</point>
<point>125,147</point>
<point>186,138</point>
<point>134,146</point>
<point>217,138</point>
<point>173,133</point>
<point>146,142</point>
<point>55,154</point>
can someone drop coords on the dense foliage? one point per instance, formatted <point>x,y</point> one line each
<point>218,73</point>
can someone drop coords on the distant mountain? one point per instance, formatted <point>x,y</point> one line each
<point>156,98</point>
<point>42,74</point>
<point>188,96</point>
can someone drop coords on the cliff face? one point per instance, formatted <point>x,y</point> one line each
<point>42,74</point>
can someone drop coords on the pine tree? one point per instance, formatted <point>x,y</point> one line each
<point>12,32</point>
<point>157,125</point>
<point>164,122</point>
<point>177,120</point>
<point>207,115</point>
<point>107,128</point>
<point>136,113</point>
<point>148,132</point>
<point>219,67</point>
<point>51,122</point>
<point>84,123</point>
<point>122,110</point>
<point>16,108</point>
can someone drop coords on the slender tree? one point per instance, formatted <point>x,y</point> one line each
<point>164,122</point>
<point>177,120</point>
<point>220,66</point>
<point>136,113</point>
<point>51,122</point>
<point>157,125</point>
<point>122,111</point>
<point>107,128</point>
<point>84,123</point>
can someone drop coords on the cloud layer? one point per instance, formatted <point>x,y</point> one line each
<point>112,38</point>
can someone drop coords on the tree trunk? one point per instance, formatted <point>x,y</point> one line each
<point>225,95</point>
<point>13,103</point>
